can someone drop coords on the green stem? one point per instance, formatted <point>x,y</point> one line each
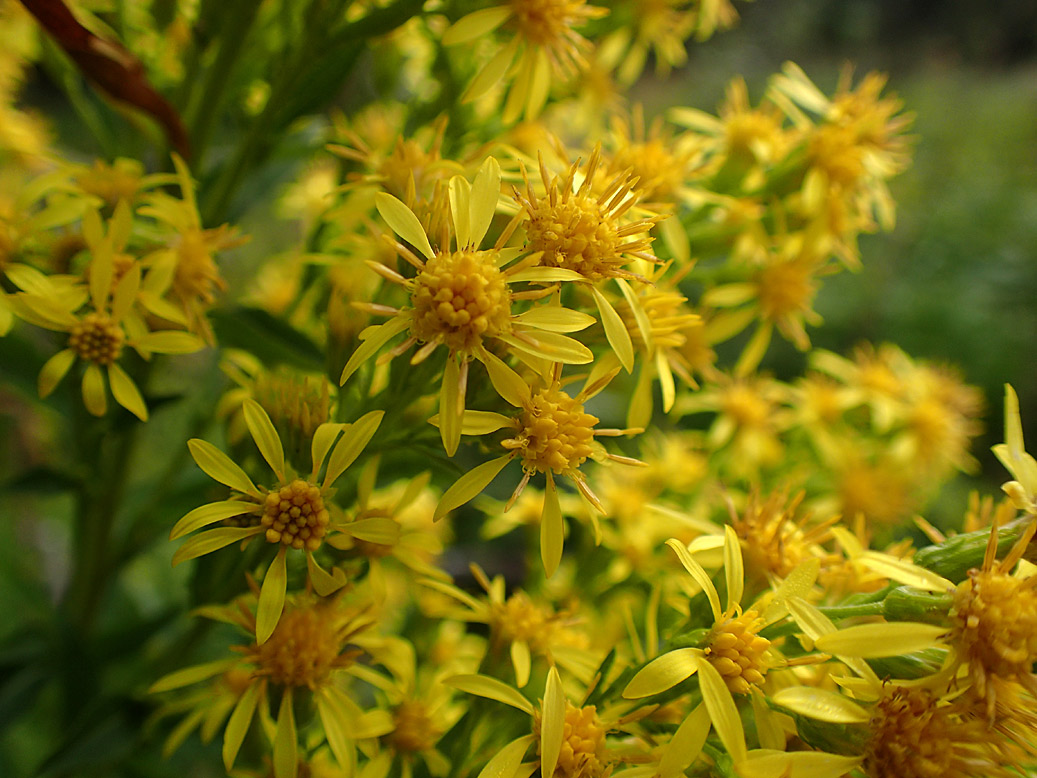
<point>850,611</point>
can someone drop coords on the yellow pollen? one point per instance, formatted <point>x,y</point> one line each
<point>295,516</point>
<point>995,622</point>
<point>96,338</point>
<point>414,728</point>
<point>519,618</point>
<point>460,298</point>
<point>303,650</point>
<point>574,233</point>
<point>583,743</point>
<point>555,433</point>
<point>737,652</point>
<point>914,736</point>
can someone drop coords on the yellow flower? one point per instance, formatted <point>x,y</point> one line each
<point>1023,488</point>
<point>307,654</point>
<point>99,335</point>
<point>293,513</point>
<point>462,299</point>
<point>553,435</point>
<point>543,38</point>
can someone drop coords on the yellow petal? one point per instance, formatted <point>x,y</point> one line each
<point>768,729</point>
<point>190,675</point>
<point>728,295</point>
<point>126,393</point>
<point>323,438</point>
<point>372,341</point>
<point>686,743</point>
<point>546,275</point>
<point>799,764</point>
<point>539,83</point>
<point>126,292</point>
<point>101,270</point>
<point>615,331</point>
<point>353,441</point>
<point>505,763</point>
<point>640,315</point>
<point>54,370</point>
<point>209,514</point>
<point>459,191</point>
<point>451,406</point>
<point>238,724</point>
<point>734,574</point>
<point>821,704</point>
<point>699,574</point>
<point>663,673</point>
<point>552,530</point>
<point>520,660</point>
<point>519,91</point>
<point>94,397</point>
<point>483,202</point>
<point>491,74</point>
<point>377,529</point>
<point>271,597</point>
<point>484,686</point>
<point>904,572</point>
<point>815,624</point>
<point>213,540</point>
<point>666,386</point>
<point>722,709</point>
<point>286,741</point>
<point>798,583</point>
<point>754,350</point>
<point>870,641</point>
<point>324,583</point>
<point>469,485</point>
<point>403,222</point>
<point>552,346</point>
<point>483,422</point>
<point>555,318</point>
<point>507,383</point>
<point>475,25</point>
<point>336,728</point>
<point>168,342</point>
<point>265,436</point>
<point>218,466</point>
<point>552,723</point>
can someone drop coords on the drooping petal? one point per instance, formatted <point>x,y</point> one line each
<point>615,330</point>
<point>904,572</point>
<point>507,383</point>
<point>265,436</point>
<point>734,575</point>
<point>372,340</point>
<point>54,370</point>
<point>663,673</point>
<point>506,761</point>
<point>552,529</point>
<point>451,406</point>
<point>521,661</point>
<point>336,728</point>
<point>220,467</point>
<point>485,686</point>
<point>871,641</point>
<point>240,719</point>
<point>821,704</point>
<point>403,222</point>
<point>722,709</point>
<point>286,741</point>
<point>353,441</point>
<point>552,723</point>
<point>94,397</point>
<point>491,73</point>
<point>126,393</point>
<point>271,597</point>
<point>686,743</point>
<point>469,485</point>
<point>768,728</point>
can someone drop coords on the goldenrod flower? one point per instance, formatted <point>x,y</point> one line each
<point>293,513</point>
<point>122,180</point>
<point>543,39</point>
<point>553,435</point>
<point>462,299</point>
<point>307,653</point>
<point>1022,490</point>
<point>99,335</point>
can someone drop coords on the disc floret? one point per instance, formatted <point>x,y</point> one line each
<point>295,516</point>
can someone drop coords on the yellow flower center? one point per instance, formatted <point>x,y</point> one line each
<point>836,150</point>
<point>785,288</point>
<point>197,277</point>
<point>995,622</point>
<point>548,22</point>
<point>414,728</point>
<point>745,406</point>
<point>583,743</point>
<point>659,172</point>
<point>96,338</point>
<point>574,233</point>
<point>460,298</point>
<point>295,516</point>
<point>667,314</point>
<point>914,736</point>
<point>303,649</point>
<point>555,433</point>
<point>519,618</point>
<point>738,653</point>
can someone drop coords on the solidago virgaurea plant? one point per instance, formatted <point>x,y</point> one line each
<point>340,266</point>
